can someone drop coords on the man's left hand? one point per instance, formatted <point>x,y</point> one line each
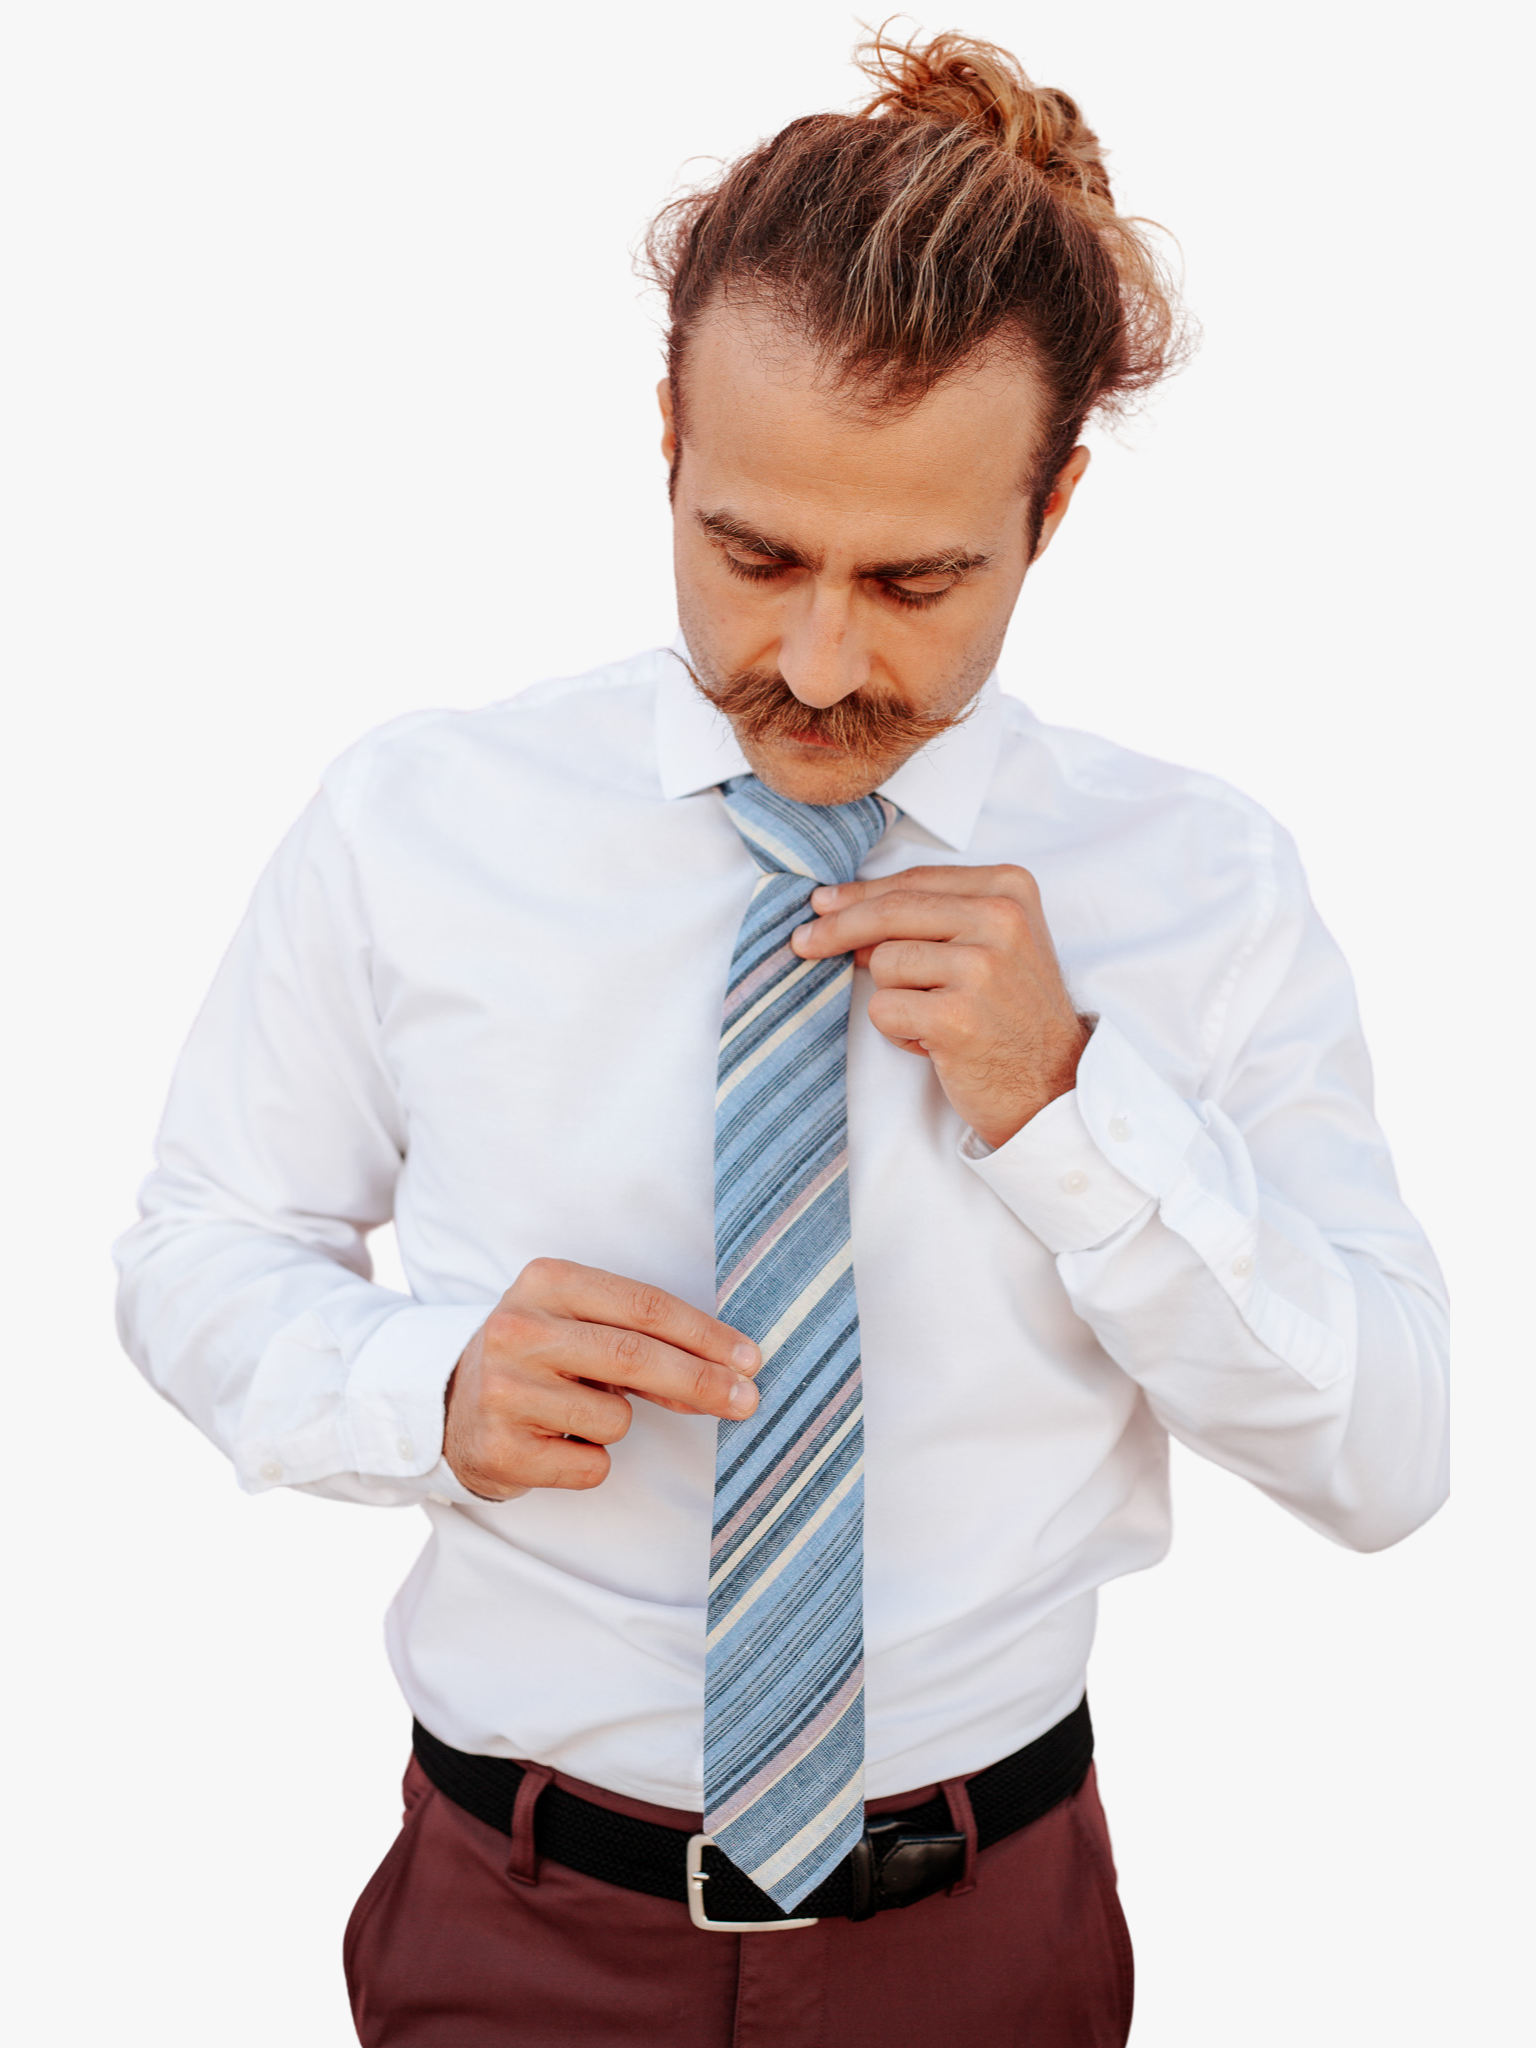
<point>965,974</point>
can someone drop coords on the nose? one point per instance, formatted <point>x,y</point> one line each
<point>822,654</point>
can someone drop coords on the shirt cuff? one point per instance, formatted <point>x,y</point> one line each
<point>394,1394</point>
<point>1095,1158</point>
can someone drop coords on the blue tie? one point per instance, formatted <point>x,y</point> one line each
<point>784,1676</point>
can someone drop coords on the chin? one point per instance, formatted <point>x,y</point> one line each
<point>815,775</point>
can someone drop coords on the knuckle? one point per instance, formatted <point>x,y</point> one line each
<point>629,1349</point>
<point>599,1416</point>
<point>647,1305</point>
<point>540,1276</point>
<point>956,1018</point>
<point>579,1415</point>
<point>510,1330</point>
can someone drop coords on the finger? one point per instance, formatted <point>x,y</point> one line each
<point>533,1458</point>
<point>916,963</point>
<point>979,920</point>
<point>554,1405</point>
<point>562,1288</point>
<point>1004,879</point>
<point>575,1466</point>
<point>620,1358</point>
<point>916,1019</point>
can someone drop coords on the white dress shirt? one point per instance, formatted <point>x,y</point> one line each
<point>479,990</point>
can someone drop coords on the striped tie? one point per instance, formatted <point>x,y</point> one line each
<point>784,1676</point>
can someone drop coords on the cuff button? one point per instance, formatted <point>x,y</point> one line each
<point>1074,1183</point>
<point>1241,1268</point>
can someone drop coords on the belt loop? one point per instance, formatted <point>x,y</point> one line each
<point>523,1863</point>
<point>957,1798</point>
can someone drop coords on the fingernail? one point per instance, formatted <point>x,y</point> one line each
<point>824,897</point>
<point>745,1357</point>
<point>742,1398</point>
<point>794,937</point>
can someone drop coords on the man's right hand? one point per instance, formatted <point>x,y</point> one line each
<point>542,1383</point>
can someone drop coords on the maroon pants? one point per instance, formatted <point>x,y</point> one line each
<point>463,1939</point>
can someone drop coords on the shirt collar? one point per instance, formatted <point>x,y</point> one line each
<point>942,787</point>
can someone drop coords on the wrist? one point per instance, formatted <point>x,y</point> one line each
<point>1059,1078</point>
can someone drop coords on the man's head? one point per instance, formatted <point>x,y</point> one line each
<point>887,331</point>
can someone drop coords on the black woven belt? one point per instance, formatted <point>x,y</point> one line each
<point>903,1857</point>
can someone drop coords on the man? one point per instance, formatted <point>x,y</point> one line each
<point>836,1127</point>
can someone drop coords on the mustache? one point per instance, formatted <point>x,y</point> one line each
<point>762,706</point>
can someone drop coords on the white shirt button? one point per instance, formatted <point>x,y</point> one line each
<point>1074,1183</point>
<point>1120,1128</point>
<point>1241,1268</point>
<point>271,1469</point>
<point>405,1447</point>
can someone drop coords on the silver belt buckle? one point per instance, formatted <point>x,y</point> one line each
<point>698,1877</point>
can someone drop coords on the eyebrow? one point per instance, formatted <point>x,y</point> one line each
<point>723,526</point>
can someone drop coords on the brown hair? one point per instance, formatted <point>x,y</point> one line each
<point>962,207</point>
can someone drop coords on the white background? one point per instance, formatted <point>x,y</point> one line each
<point>327,394</point>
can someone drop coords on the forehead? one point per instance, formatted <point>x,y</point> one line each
<point>766,429</point>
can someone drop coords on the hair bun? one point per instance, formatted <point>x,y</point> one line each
<point>963,208</point>
<point>957,81</point>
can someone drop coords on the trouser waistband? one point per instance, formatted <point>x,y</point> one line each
<point>904,1856</point>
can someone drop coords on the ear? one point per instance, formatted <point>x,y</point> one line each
<point>668,424</point>
<point>1068,478</point>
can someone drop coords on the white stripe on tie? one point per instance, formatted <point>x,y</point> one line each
<point>833,1271</point>
<point>782,856</point>
<point>797,1023</point>
<point>800,1845</point>
<point>786,1556</point>
<point>765,1002</point>
<point>787,1500</point>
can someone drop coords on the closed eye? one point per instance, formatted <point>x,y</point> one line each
<point>899,593</point>
<point>754,572</point>
<point>914,600</point>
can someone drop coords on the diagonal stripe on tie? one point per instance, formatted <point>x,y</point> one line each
<point>784,1673</point>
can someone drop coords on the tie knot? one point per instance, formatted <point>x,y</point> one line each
<point>822,842</point>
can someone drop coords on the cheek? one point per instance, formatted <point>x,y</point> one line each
<point>939,671</point>
<point>736,623</point>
